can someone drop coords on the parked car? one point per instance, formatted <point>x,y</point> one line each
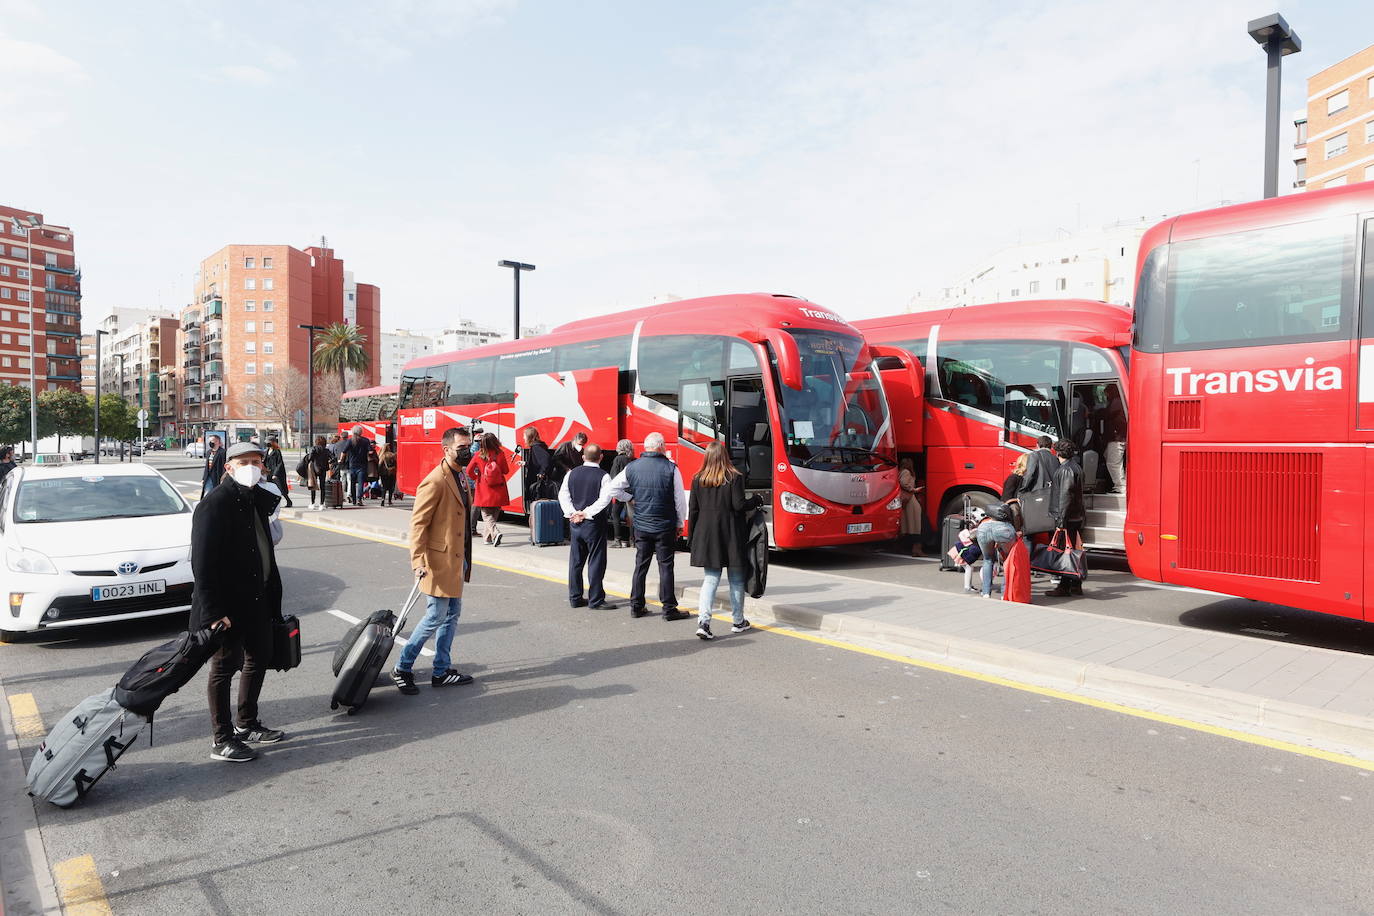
<point>195,450</point>
<point>89,545</point>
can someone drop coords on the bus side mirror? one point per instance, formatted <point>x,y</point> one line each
<point>788,357</point>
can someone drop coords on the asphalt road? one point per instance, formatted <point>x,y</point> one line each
<point>609,765</point>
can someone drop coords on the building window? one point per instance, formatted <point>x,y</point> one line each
<point>266,263</point>
<point>249,264</point>
<point>1015,292</point>
<point>4,270</point>
<point>1369,173</point>
<point>1369,132</point>
<point>4,294</point>
<point>1301,168</point>
<point>1337,145</point>
<point>250,283</point>
<point>267,327</point>
<point>22,295</point>
<point>22,317</point>
<point>1034,286</point>
<point>6,339</point>
<point>266,282</point>
<point>267,346</point>
<point>22,273</point>
<point>19,252</point>
<point>251,389</point>
<point>8,361</point>
<point>23,362</point>
<point>1334,182</point>
<point>267,305</point>
<point>1338,102</point>
<point>23,340</point>
<point>1301,128</point>
<point>250,327</point>
<point>250,305</point>
<point>268,389</point>
<point>250,347</point>
<point>250,368</point>
<point>250,410</point>
<point>1061,283</point>
<point>266,368</point>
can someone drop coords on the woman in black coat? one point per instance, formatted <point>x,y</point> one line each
<point>718,527</point>
<point>620,524</point>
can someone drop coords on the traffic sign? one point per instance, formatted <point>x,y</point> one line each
<point>142,416</point>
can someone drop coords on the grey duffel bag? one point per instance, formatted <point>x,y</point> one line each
<point>82,745</point>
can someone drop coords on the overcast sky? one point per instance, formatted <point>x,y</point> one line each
<point>850,152</point>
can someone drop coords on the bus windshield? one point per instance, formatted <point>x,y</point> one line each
<point>839,420</point>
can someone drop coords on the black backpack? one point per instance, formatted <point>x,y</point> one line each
<point>164,670</point>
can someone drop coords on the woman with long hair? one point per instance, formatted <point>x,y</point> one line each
<point>718,535</point>
<point>386,470</point>
<point>319,462</point>
<point>910,520</point>
<point>489,471</point>
<point>620,522</point>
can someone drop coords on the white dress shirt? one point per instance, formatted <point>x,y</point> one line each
<point>602,501</point>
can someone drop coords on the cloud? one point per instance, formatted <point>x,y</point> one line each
<point>245,74</point>
<point>35,84</point>
<point>31,59</point>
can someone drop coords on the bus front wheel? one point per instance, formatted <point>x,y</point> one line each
<point>954,503</point>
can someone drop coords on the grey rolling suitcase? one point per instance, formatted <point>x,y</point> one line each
<point>364,659</point>
<point>82,746</point>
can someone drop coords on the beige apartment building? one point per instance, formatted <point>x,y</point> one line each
<point>1334,144</point>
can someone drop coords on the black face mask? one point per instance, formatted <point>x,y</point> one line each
<point>464,455</point>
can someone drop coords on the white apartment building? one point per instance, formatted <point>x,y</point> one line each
<point>398,348</point>
<point>1093,265</point>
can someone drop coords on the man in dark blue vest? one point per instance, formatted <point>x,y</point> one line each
<point>586,498</point>
<point>654,485</point>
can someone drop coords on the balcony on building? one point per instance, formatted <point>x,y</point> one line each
<point>62,308</point>
<point>214,370</point>
<point>65,330</point>
<point>192,342</point>
<point>209,296</point>
<point>214,393</point>
<point>192,360</point>
<point>211,335</point>
<point>66,289</point>
<point>66,375</point>
<point>215,309</point>
<point>214,351</point>
<point>70,270</point>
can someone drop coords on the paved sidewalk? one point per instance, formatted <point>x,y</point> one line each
<point>1310,696</point>
<point>26,886</point>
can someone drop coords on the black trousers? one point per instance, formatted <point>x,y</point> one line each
<point>589,550</point>
<point>246,646</point>
<point>1073,530</point>
<point>618,520</point>
<point>660,546</point>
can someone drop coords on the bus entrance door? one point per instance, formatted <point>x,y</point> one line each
<point>750,436</point>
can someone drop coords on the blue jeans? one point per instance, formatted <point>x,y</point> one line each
<point>989,535</point>
<point>441,618</point>
<point>355,484</point>
<point>710,581</point>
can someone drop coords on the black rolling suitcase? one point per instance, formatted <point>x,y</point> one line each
<point>333,493</point>
<point>949,537</point>
<point>362,655</point>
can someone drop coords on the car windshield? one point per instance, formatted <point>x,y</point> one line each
<point>839,420</point>
<point>93,497</point>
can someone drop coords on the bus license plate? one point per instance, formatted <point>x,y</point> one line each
<point>859,528</point>
<point>131,590</point>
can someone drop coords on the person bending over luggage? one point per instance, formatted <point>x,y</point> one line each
<point>441,556</point>
<point>237,584</point>
<point>586,498</point>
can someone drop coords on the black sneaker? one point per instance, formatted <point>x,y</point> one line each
<point>741,627</point>
<point>704,630</point>
<point>675,614</point>
<point>496,541</point>
<point>604,606</point>
<point>257,733</point>
<point>639,612</point>
<point>234,751</point>
<point>404,681</point>
<point>450,678</point>
<point>577,602</point>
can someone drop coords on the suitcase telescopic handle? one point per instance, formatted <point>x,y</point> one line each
<point>410,603</point>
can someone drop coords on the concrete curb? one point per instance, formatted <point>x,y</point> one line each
<point>1306,726</point>
<point>26,884</point>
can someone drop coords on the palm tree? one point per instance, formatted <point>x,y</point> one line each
<point>341,348</point>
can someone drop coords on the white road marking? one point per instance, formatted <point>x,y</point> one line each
<point>352,620</point>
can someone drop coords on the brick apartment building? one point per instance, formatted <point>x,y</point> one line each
<point>141,344</point>
<point>242,331</point>
<point>1335,141</point>
<point>40,288</point>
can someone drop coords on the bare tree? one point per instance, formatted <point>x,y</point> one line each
<point>279,399</point>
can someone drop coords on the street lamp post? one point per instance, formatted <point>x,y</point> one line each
<point>516,267</point>
<point>310,329</point>
<point>1278,40</point>
<point>33,224</point>
<point>120,357</point>
<point>98,334</point>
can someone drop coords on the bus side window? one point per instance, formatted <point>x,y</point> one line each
<point>469,381</point>
<point>665,362</point>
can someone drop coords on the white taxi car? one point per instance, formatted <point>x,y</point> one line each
<point>91,544</point>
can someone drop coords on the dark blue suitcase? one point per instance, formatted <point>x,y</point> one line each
<point>546,523</point>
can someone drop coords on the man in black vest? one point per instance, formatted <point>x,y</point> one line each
<point>654,485</point>
<point>586,498</point>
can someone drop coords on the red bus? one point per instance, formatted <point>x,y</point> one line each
<point>998,376</point>
<point>1252,388</point>
<point>788,386</point>
<point>374,409</point>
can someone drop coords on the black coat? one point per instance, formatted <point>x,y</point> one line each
<point>1066,499</point>
<point>620,463</point>
<point>214,468</point>
<point>274,468</point>
<point>566,457</point>
<point>1041,466</point>
<point>1011,486</point>
<point>225,560</point>
<point>718,524</point>
<point>537,461</point>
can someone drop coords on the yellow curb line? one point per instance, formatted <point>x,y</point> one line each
<point>28,722</point>
<point>79,888</point>
<point>1233,734</point>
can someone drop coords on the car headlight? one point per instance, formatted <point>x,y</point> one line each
<point>793,503</point>
<point>28,561</point>
<point>896,502</point>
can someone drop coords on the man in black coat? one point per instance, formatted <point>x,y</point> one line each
<point>568,457</point>
<point>274,469</point>
<point>237,584</point>
<point>1067,510</point>
<point>1040,467</point>
<point>214,465</point>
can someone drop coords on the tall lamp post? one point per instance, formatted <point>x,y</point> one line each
<point>98,334</point>
<point>516,267</point>
<point>28,226</point>
<point>120,357</point>
<point>1278,40</point>
<point>310,329</point>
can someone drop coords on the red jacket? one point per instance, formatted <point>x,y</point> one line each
<point>490,490</point>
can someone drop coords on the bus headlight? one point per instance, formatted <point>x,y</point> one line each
<point>28,561</point>
<point>793,503</point>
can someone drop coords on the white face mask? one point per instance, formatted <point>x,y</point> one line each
<point>247,475</point>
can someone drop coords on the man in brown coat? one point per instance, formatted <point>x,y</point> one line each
<point>441,555</point>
